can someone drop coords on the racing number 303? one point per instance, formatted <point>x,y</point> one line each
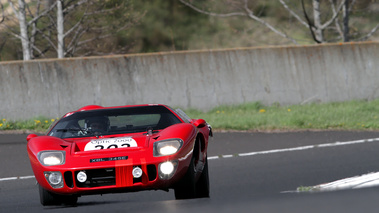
<point>112,146</point>
<point>110,143</point>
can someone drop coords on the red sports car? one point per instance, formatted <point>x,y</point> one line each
<point>97,150</point>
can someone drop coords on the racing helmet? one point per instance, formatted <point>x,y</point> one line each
<point>100,120</point>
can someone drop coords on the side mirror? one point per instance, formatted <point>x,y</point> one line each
<point>30,137</point>
<point>199,123</point>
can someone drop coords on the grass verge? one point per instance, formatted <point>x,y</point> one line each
<point>352,115</point>
<point>38,124</point>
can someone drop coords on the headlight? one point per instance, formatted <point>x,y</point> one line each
<point>167,147</point>
<point>52,158</point>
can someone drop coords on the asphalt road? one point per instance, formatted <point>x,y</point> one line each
<point>265,180</point>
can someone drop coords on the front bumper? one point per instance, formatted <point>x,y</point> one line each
<point>112,179</point>
<point>113,176</point>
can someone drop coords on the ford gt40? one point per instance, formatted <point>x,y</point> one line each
<point>98,150</point>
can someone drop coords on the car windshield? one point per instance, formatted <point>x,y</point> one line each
<point>114,121</point>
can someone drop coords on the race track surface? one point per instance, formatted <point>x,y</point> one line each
<point>249,172</point>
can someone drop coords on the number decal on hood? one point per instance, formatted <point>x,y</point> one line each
<point>110,143</point>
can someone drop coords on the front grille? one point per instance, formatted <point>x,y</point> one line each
<point>97,177</point>
<point>152,172</point>
<point>107,177</point>
<point>68,179</point>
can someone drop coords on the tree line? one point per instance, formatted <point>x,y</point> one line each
<point>32,29</point>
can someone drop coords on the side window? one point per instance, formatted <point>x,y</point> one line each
<point>57,131</point>
<point>51,126</point>
<point>183,115</point>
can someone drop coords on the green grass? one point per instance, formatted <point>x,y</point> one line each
<point>39,124</point>
<point>352,115</point>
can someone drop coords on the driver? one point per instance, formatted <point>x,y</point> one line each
<point>98,124</point>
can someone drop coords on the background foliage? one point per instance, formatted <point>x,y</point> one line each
<point>168,25</point>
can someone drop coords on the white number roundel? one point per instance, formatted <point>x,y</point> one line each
<point>110,143</point>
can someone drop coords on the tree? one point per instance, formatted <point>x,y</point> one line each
<point>317,28</point>
<point>42,26</point>
<point>87,27</point>
<point>27,28</point>
<point>2,13</point>
<point>324,25</point>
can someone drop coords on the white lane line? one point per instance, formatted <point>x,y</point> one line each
<point>297,148</point>
<point>27,177</point>
<point>256,153</point>
<point>17,178</point>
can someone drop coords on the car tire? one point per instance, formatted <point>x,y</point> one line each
<point>186,188</point>
<point>48,198</point>
<point>202,185</point>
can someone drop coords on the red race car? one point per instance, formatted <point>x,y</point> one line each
<point>98,150</point>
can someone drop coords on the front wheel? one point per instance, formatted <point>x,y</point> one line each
<point>48,198</point>
<point>188,188</point>
<point>202,185</point>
